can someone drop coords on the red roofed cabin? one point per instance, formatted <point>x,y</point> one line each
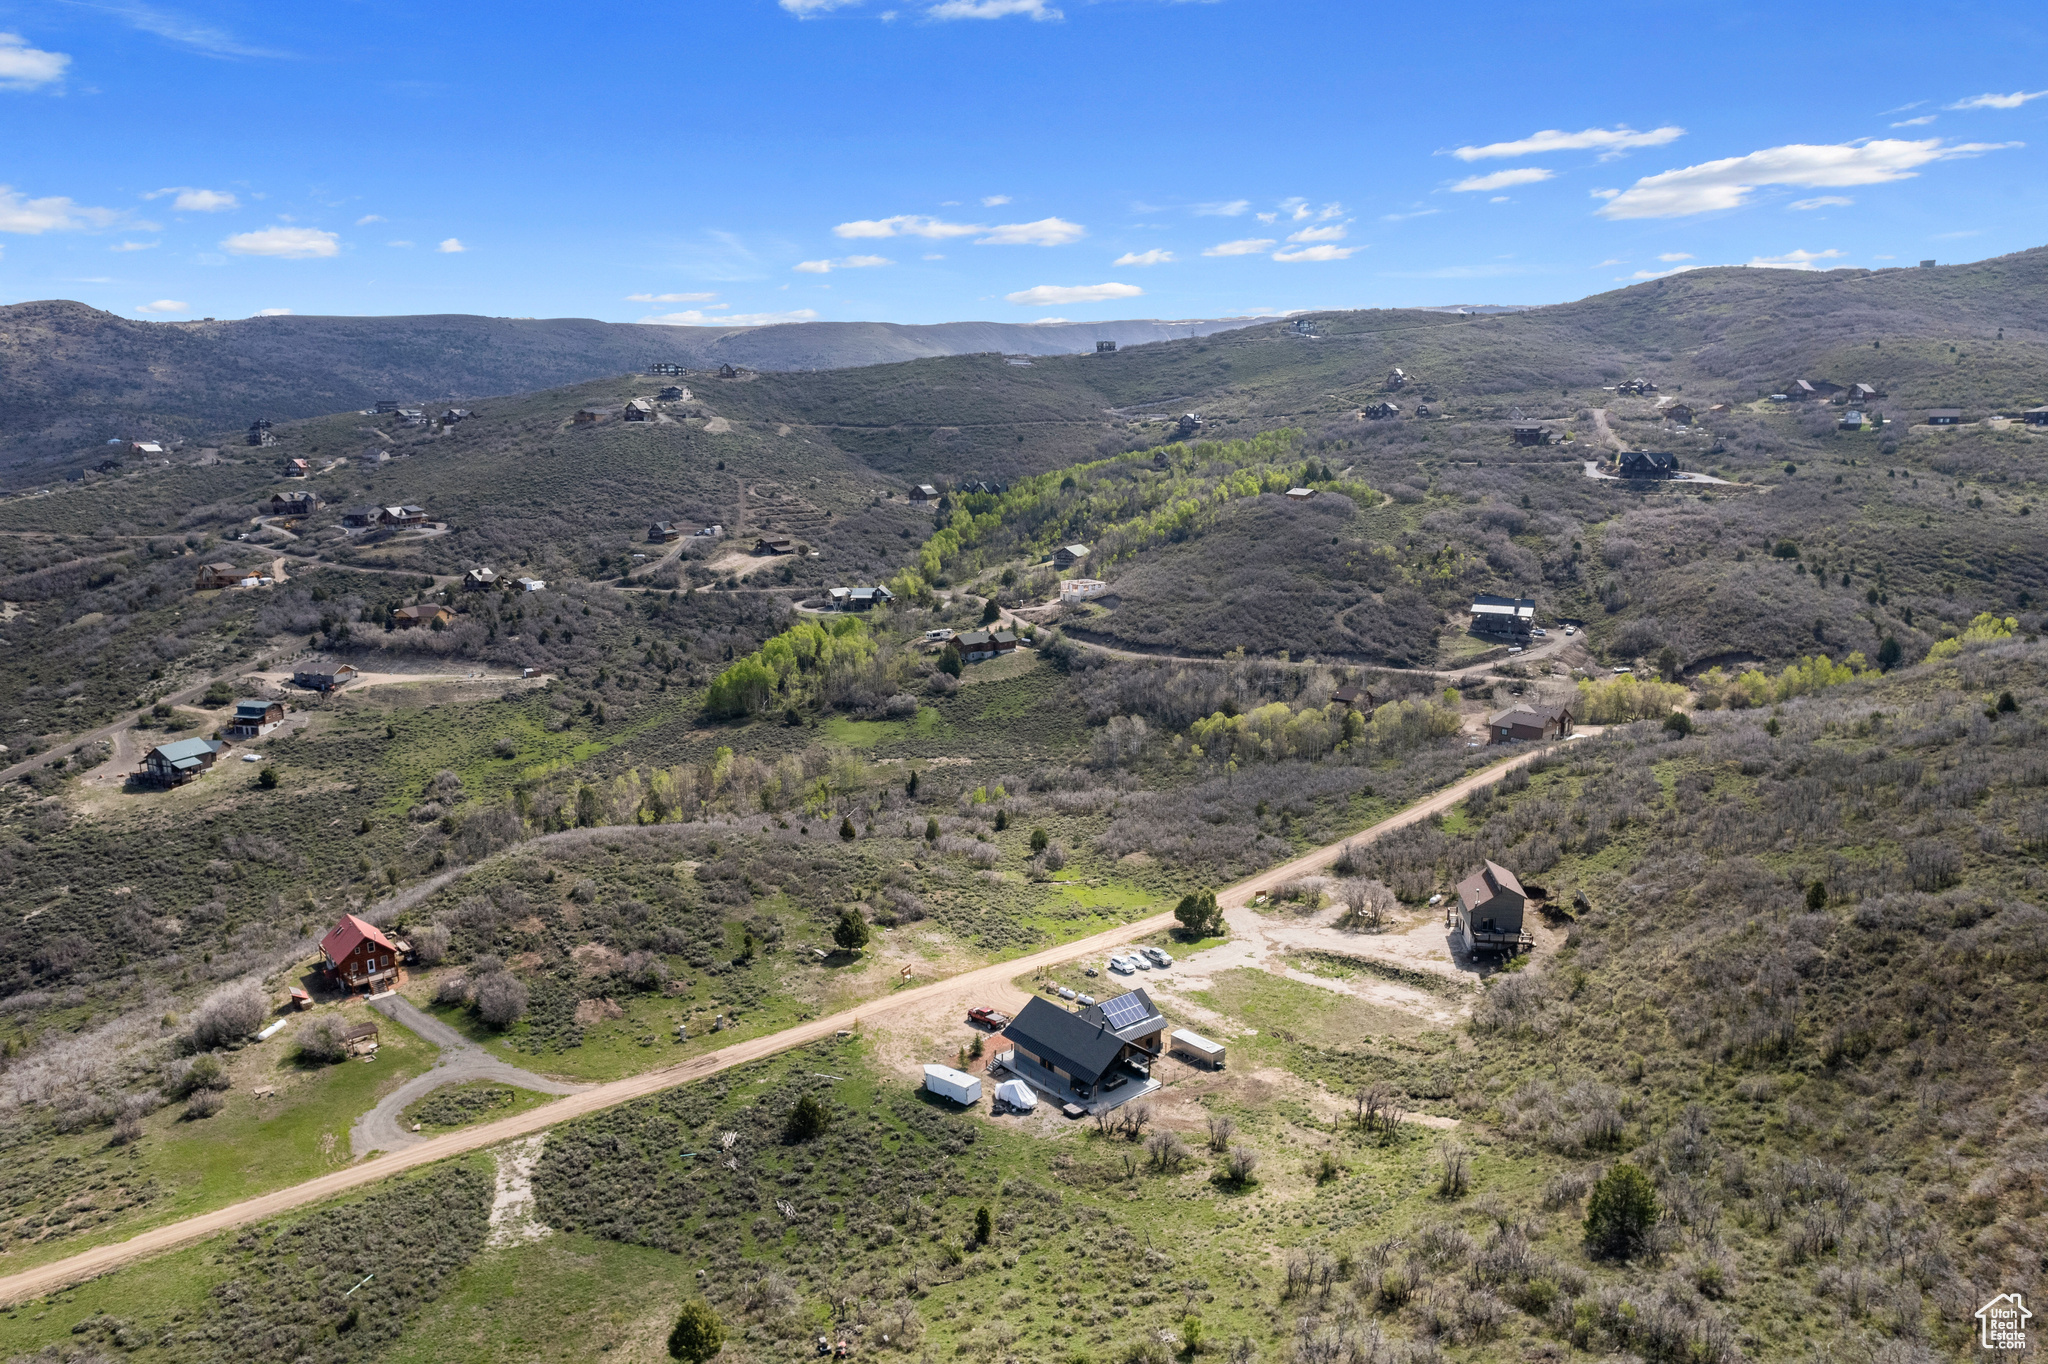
<point>359,955</point>
<point>1489,911</point>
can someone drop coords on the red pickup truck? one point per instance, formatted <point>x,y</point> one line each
<point>989,1018</point>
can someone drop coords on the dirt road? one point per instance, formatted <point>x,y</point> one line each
<point>33,1283</point>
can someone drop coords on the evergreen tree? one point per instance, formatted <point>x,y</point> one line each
<point>1621,1213</point>
<point>698,1334</point>
<point>851,932</point>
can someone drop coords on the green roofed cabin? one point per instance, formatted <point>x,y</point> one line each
<point>175,764</point>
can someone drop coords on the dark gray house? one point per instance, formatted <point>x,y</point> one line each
<point>1102,1046</point>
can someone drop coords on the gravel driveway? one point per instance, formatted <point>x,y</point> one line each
<point>461,1061</point>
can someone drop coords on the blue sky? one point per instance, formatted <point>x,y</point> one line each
<point>934,160</point>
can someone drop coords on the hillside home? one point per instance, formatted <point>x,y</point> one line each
<point>259,432</point>
<point>407,515</point>
<point>1382,411</point>
<point>293,504</point>
<point>254,719</point>
<point>1679,413</point>
<point>175,764</point>
<point>217,575</point>
<point>775,544</point>
<point>1530,433</point>
<point>1299,494</point>
<point>924,492</point>
<point>359,517</point>
<point>1635,388</point>
<point>1105,347</point>
<point>859,598</point>
<point>978,645</point>
<point>664,532</point>
<point>145,449</point>
<point>1860,394</point>
<point>590,416</point>
<point>1424,410</point>
<point>454,415</point>
<point>1531,722</point>
<point>1396,378</point>
<point>1514,616</point>
<point>1081,589</point>
<point>728,372</point>
<point>1358,698</point>
<point>407,617</point>
<point>373,458</point>
<point>1647,464</point>
<point>358,954</point>
<point>324,676</point>
<point>667,367</point>
<point>1488,914</point>
<point>295,468</point>
<point>2035,416</point>
<point>386,406</point>
<point>1945,416</point>
<point>1066,556</point>
<point>639,410</point>
<point>479,579</point>
<point>674,393</point>
<point>1102,1048</point>
<point>1189,423</point>
<point>1852,420</point>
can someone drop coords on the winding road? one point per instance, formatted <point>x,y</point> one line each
<point>961,991</point>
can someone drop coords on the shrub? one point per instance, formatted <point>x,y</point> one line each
<point>205,1103</point>
<point>1241,1166</point>
<point>807,1119</point>
<point>1622,1212</point>
<point>228,1016</point>
<point>1679,723</point>
<point>500,999</point>
<point>430,944</point>
<point>267,778</point>
<point>698,1334</point>
<point>1199,917</point>
<point>324,1039</point>
<point>984,1224</point>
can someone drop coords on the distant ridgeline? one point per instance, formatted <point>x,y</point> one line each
<point>1119,506</point>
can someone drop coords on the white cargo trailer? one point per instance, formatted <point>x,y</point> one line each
<point>1198,1048</point>
<point>949,1083</point>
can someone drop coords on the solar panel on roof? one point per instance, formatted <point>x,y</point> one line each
<point>1124,1010</point>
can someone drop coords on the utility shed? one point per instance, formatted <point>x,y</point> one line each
<point>949,1083</point>
<point>1197,1047</point>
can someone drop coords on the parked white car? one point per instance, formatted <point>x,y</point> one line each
<point>1120,966</point>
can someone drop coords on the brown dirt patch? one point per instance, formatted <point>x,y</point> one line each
<point>592,1012</point>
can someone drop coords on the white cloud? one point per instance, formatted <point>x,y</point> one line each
<point>1611,141</point>
<point>826,267</point>
<point>286,243</point>
<point>932,255</point>
<point>2012,101</point>
<point>33,217</point>
<point>1823,201</point>
<point>995,199</point>
<point>191,200</point>
<point>994,9</point>
<point>1412,213</point>
<point>1153,257</point>
<point>1507,179</point>
<point>1919,122</point>
<point>1244,246</point>
<point>1044,232</point>
<point>1267,218</point>
<point>907,225</point>
<point>1050,295</point>
<point>369,218</point>
<point>164,305</point>
<point>1663,274</point>
<point>1729,182</point>
<point>24,68</point>
<point>1047,322</point>
<point>1318,253</point>
<point>1227,209</point>
<point>132,246</point>
<point>694,318</point>
<point>174,28</point>
<point>670,298</point>
<point>1670,256</point>
<point>1333,233</point>
<point>451,246</point>
<point>806,9</point>
<point>401,244</point>
<point>1612,260</point>
<point>274,312</point>
<point>1795,260</point>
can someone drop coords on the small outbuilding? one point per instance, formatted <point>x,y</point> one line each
<point>1358,698</point>
<point>924,492</point>
<point>1300,494</point>
<point>1945,416</point>
<point>1195,1047</point>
